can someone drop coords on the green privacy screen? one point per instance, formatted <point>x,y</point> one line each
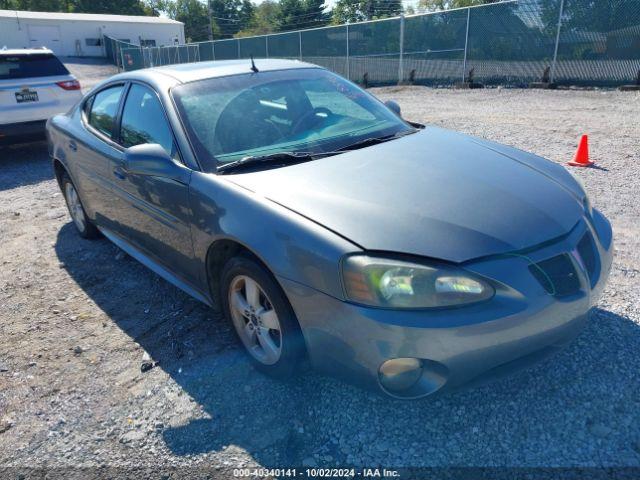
<point>284,45</point>
<point>226,49</point>
<point>326,47</point>
<point>434,47</point>
<point>581,42</point>
<point>253,46</point>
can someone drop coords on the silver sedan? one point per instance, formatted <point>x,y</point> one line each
<point>404,258</point>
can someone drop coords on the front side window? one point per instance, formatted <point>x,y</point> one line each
<point>301,110</point>
<point>104,109</point>
<point>144,121</point>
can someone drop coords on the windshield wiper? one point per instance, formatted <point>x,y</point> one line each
<point>375,140</point>
<point>285,158</point>
<point>290,158</point>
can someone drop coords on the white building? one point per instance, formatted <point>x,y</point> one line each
<point>80,34</point>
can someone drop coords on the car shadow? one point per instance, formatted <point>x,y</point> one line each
<point>285,423</point>
<point>24,164</point>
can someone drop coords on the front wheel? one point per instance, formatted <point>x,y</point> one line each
<point>262,317</point>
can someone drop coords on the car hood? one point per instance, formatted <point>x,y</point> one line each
<point>435,193</point>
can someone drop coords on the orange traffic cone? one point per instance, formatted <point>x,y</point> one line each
<point>581,158</point>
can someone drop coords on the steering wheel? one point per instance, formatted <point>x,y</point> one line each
<point>255,133</point>
<point>311,113</point>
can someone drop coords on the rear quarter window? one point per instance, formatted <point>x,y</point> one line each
<point>33,65</point>
<point>104,108</point>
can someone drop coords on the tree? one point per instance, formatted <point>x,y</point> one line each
<point>301,14</point>
<point>581,19</point>
<point>591,15</point>
<point>120,7</point>
<point>315,14</point>
<point>265,19</point>
<point>434,5</point>
<point>193,14</point>
<point>117,7</point>
<point>230,16</point>
<point>347,11</point>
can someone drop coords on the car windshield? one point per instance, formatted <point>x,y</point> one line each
<point>30,65</point>
<point>300,110</point>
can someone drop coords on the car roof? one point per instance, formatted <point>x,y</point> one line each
<point>189,72</point>
<point>25,51</point>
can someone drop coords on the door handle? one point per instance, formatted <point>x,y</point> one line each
<point>119,172</point>
<point>73,146</point>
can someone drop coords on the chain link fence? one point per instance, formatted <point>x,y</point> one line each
<point>576,42</point>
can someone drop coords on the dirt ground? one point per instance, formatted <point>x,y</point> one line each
<point>79,318</point>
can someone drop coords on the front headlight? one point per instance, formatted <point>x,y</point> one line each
<point>586,203</point>
<point>387,283</point>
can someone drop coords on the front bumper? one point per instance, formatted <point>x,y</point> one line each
<point>520,325</point>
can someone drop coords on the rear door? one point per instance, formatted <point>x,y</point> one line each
<point>34,86</point>
<point>94,150</point>
<point>153,212</point>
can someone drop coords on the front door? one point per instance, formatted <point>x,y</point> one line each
<point>153,212</point>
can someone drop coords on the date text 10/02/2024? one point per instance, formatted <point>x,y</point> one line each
<point>315,473</point>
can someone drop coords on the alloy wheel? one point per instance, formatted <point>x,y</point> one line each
<point>255,320</point>
<point>75,207</point>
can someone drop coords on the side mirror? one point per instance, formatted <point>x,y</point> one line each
<point>150,159</point>
<point>393,106</point>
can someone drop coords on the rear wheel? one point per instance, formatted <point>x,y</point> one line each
<point>83,224</point>
<point>262,317</point>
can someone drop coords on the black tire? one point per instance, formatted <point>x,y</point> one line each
<point>293,350</point>
<point>85,227</point>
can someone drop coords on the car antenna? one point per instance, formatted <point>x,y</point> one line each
<point>254,69</point>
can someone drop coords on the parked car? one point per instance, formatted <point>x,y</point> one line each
<point>404,258</point>
<point>34,86</point>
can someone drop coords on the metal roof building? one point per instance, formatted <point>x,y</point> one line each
<point>80,34</point>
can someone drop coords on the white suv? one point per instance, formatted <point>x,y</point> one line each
<point>34,85</point>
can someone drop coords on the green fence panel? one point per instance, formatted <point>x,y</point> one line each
<point>374,52</point>
<point>205,51</point>
<point>326,47</point>
<point>226,49</point>
<point>169,55</point>
<point>256,46</point>
<point>183,54</point>
<point>110,49</point>
<point>514,42</point>
<point>284,45</point>
<point>599,42</point>
<point>132,58</point>
<point>433,50</point>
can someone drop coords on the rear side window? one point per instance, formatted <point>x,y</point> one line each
<point>104,109</point>
<point>33,65</point>
<point>143,120</point>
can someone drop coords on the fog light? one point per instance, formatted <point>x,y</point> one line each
<point>400,373</point>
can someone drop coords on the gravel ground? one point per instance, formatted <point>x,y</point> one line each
<point>89,70</point>
<point>78,319</point>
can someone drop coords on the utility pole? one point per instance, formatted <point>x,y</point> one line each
<point>210,24</point>
<point>466,46</point>
<point>401,57</point>
<point>555,50</point>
